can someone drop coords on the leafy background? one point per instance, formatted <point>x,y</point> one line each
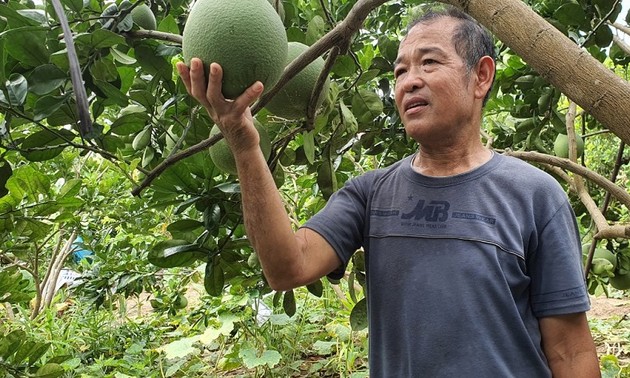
<point>173,287</point>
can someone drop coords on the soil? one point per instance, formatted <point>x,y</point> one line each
<point>605,308</point>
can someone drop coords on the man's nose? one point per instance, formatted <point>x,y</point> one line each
<point>413,80</point>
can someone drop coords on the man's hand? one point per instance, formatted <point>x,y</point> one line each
<point>233,117</point>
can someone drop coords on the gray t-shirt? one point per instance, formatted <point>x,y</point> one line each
<point>460,268</point>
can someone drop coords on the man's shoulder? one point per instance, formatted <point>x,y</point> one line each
<point>517,169</point>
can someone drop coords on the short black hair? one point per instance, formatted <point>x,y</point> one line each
<point>471,40</point>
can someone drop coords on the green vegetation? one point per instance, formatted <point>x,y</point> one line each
<point>245,37</point>
<point>173,287</point>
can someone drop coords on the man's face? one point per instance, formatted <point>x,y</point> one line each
<point>434,92</point>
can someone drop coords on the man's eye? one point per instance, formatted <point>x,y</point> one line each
<point>398,72</point>
<point>429,61</point>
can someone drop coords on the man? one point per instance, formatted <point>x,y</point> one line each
<point>473,258</point>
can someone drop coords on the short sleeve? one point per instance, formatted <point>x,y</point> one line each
<point>558,286</point>
<point>342,221</point>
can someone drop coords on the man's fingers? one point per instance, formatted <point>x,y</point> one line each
<point>250,95</point>
<point>184,74</point>
<point>213,92</point>
<point>197,80</point>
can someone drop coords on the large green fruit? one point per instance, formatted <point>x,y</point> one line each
<point>246,37</point>
<point>144,17</point>
<point>603,253</point>
<point>292,100</point>
<point>221,154</point>
<point>561,145</point>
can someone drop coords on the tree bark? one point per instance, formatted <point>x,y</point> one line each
<point>555,57</point>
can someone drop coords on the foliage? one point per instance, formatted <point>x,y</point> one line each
<point>61,177</point>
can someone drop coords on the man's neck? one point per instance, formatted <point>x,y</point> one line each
<point>450,162</point>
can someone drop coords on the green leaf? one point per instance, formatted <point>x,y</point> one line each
<point>17,87</point>
<point>309,145</point>
<point>48,105</point>
<point>184,228</point>
<point>37,15</point>
<point>74,5</point>
<point>99,39</point>
<point>180,348</point>
<point>122,57</point>
<point>50,371</point>
<point>27,182</point>
<point>288,303</point>
<point>144,98</point>
<point>315,29</point>
<point>5,173</point>
<point>70,188</point>
<point>570,14</point>
<point>174,253</point>
<point>226,327</point>
<point>212,217</point>
<point>169,25</point>
<point>46,144</point>
<point>38,350</point>
<point>28,46</point>
<point>348,119</point>
<point>316,288</point>
<point>252,359</point>
<point>15,19</point>
<point>130,123</point>
<point>344,66</point>
<point>112,93</point>
<point>603,36</point>
<point>33,228</point>
<point>45,79</point>
<point>152,63</point>
<point>358,316</point>
<point>366,105</point>
<point>10,343</point>
<point>3,61</point>
<point>214,278</point>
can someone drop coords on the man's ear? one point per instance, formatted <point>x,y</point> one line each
<point>485,76</point>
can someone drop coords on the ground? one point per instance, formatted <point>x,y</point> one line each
<point>604,308</point>
<point>609,319</point>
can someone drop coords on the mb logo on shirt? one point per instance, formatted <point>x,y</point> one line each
<point>434,211</point>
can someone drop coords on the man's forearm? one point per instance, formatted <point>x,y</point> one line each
<point>266,220</point>
<point>580,365</point>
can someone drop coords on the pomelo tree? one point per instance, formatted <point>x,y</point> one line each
<point>80,75</point>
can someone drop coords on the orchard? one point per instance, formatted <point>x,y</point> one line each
<point>103,151</point>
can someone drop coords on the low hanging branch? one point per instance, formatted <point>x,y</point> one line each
<point>340,36</point>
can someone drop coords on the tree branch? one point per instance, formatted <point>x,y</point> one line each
<point>568,67</point>
<point>339,36</point>
<point>619,193</point>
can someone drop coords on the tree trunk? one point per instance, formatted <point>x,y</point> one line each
<point>555,57</point>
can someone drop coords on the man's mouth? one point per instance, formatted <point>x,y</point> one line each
<point>416,103</point>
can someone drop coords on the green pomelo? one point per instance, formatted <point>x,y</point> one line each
<point>603,253</point>
<point>292,100</point>
<point>561,145</point>
<point>246,37</point>
<point>144,17</point>
<point>222,156</point>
